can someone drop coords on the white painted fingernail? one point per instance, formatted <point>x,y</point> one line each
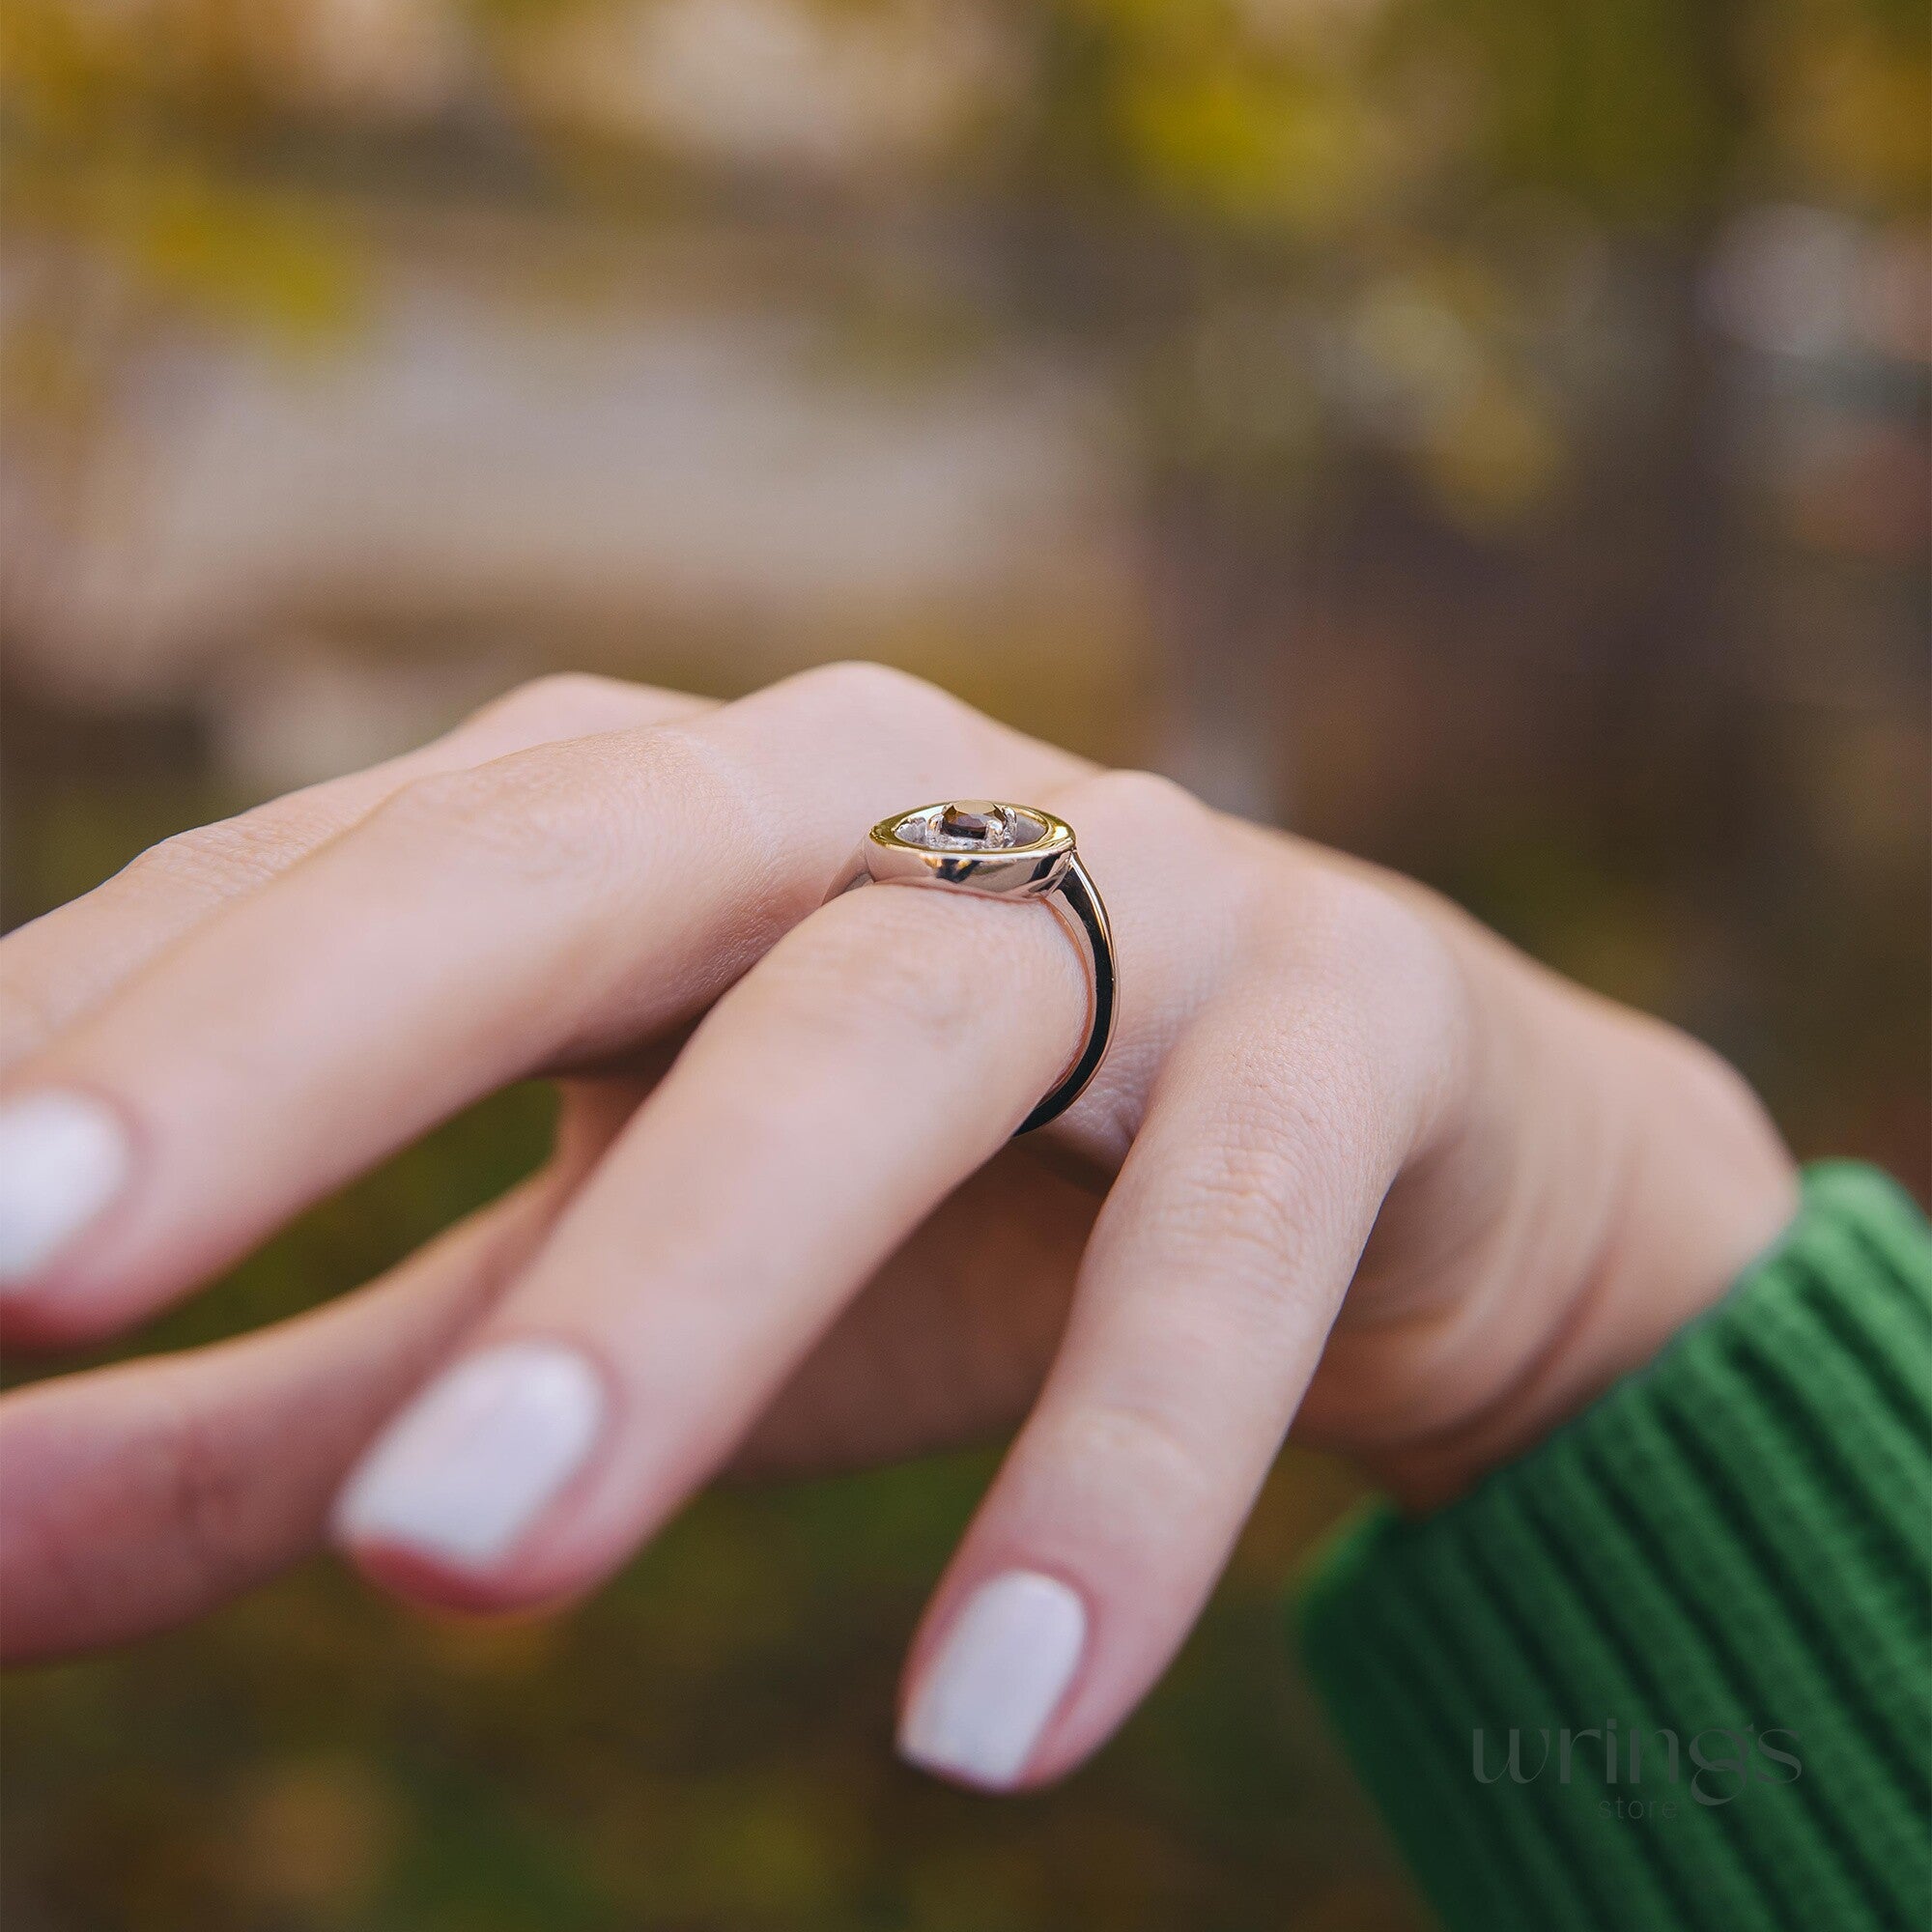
<point>999,1676</point>
<point>473,1460</point>
<point>63,1157</point>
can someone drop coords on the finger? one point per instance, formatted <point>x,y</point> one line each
<point>62,964</point>
<point>871,1061</point>
<point>948,1341</point>
<point>480,925</point>
<point>1214,1273</point>
<point>874,1058</point>
<point>140,1495</point>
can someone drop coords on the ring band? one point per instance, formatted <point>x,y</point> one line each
<point>1005,852</point>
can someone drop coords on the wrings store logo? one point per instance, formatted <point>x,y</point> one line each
<point>1715,1765</point>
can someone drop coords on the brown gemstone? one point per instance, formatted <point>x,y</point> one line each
<point>973,825</point>
<point>986,825</point>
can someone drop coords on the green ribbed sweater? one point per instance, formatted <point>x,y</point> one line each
<point>1730,1554</point>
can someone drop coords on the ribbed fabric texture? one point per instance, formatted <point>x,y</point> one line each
<point>1733,1548</point>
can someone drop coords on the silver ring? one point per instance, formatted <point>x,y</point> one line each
<point>1005,852</point>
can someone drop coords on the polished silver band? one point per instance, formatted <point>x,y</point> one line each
<point>1005,852</point>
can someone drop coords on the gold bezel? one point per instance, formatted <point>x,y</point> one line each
<point>1049,869</point>
<point>1009,872</point>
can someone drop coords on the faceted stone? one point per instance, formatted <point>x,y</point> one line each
<point>961,822</point>
<point>970,825</point>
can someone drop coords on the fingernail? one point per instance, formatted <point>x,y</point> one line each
<point>999,1676</point>
<point>63,1157</point>
<point>472,1462</point>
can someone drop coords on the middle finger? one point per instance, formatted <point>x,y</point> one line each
<point>859,1073</point>
<point>878,1056</point>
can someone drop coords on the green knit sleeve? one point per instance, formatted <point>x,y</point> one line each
<point>1670,1669</point>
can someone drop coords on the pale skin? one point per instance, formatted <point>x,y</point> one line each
<point>1353,1166</point>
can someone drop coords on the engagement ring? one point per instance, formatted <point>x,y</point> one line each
<point>1006,852</point>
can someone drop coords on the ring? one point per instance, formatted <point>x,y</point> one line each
<point>1005,852</point>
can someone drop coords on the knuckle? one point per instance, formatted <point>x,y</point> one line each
<point>1362,963</point>
<point>236,853</point>
<point>1705,1072</point>
<point>530,813</point>
<point>1339,1105</point>
<point>1257,1208</point>
<point>1304,1135</point>
<point>1351,920</point>
<point>873,693</point>
<point>208,1489</point>
<point>164,1468</point>
<point>1144,803</point>
<point>1247,1189</point>
<point>1714,1094</point>
<point>561,700</point>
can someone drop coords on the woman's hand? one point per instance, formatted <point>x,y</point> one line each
<point>1365,1170</point>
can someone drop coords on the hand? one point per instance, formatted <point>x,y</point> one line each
<point>1364,1167</point>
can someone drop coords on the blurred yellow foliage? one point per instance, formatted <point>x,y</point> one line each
<point>1256,147</point>
<point>213,159</point>
<point>1852,104</point>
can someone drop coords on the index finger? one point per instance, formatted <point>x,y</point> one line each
<point>55,968</point>
<point>536,911</point>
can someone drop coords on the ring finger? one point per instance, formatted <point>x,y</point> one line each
<point>874,1059</point>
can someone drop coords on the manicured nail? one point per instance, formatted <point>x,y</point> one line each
<point>473,1460</point>
<point>63,1157</point>
<point>998,1677</point>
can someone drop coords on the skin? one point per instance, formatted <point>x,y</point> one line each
<point>1354,1165</point>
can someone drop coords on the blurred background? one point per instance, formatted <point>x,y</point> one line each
<point>1486,436</point>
